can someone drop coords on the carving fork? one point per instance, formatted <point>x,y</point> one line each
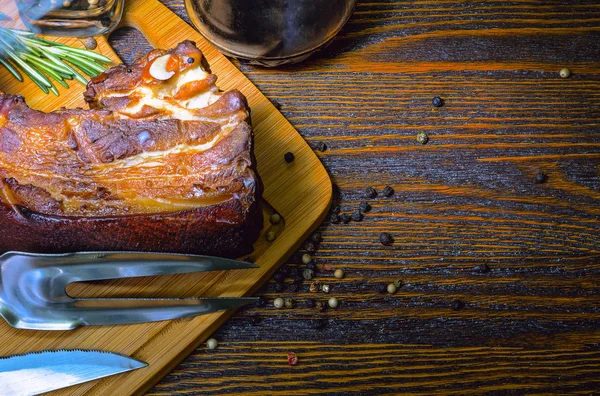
<point>33,288</point>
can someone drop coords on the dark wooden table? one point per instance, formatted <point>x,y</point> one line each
<point>500,274</point>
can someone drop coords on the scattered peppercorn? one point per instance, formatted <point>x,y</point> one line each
<point>308,274</point>
<point>339,273</point>
<point>309,303</point>
<point>310,247</point>
<point>437,101</point>
<point>90,43</point>
<point>564,72</point>
<point>345,218</point>
<point>211,343</point>
<point>483,268</point>
<point>333,302</point>
<point>293,287</point>
<point>288,303</point>
<point>306,258</point>
<point>292,359</point>
<point>316,237</point>
<point>298,279</point>
<point>381,288</point>
<point>334,219</point>
<point>190,60</point>
<point>278,302</point>
<point>391,288</point>
<point>276,104</point>
<point>457,304</point>
<point>293,272</point>
<point>320,306</point>
<point>278,287</point>
<point>398,284</point>
<point>422,138</point>
<point>275,218</point>
<point>318,324</point>
<point>321,146</point>
<point>385,239</point>
<point>261,302</point>
<point>270,236</point>
<point>325,288</point>
<point>364,207</point>
<point>312,266</point>
<point>540,177</point>
<point>370,192</point>
<point>288,157</point>
<point>388,191</point>
<point>357,216</point>
<point>314,287</point>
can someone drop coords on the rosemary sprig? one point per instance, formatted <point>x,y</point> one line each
<point>42,60</point>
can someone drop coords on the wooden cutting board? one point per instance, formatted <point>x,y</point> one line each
<point>300,192</point>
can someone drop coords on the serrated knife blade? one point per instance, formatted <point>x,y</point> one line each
<point>45,371</point>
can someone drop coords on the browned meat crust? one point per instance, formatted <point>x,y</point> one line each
<point>156,164</point>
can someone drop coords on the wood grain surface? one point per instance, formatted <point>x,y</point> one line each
<point>468,198</point>
<point>300,192</point>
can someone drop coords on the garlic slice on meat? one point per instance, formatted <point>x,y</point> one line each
<point>158,68</point>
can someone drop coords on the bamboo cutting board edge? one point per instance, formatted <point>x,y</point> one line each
<point>300,192</point>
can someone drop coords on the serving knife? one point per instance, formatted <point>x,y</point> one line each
<point>39,372</point>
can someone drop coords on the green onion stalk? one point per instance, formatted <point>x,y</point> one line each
<point>45,61</point>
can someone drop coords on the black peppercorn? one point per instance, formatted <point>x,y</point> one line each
<point>364,207</point>
<point>190,60</point>
<point>288,157</point>
<point>276,104</point>
<point>318,324</point>
<point>457,304</point>
<point>321,146</point>
<point>316,237</point>
<point>279,276</point>
<point>483,268</point>
<point>311,266</point>
<point>309,303</point>
<point>437,101</point>
<point>357,216</point>
<point>298,279</point>
<point>278,287</point>
<point>334,219</point>
<point>294,287</point>
<point>370,192</point>
<point>388,191</point>
<point>293,272</point>
<point>385,239</point>
<point>310,247</point>
<point>540,177</point>
<point>261,302</point>
<point>345,218</point>
<point>381,288</point>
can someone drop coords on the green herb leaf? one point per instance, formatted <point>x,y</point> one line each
<point>39,58</point>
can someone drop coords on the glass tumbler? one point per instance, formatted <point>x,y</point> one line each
<point>71,17</point>
<point>269,32</point>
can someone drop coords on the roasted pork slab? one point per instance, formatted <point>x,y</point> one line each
<point>162,161</point>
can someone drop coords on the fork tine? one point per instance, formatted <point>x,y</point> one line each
<point>127,311</point>
<point>87,266</point>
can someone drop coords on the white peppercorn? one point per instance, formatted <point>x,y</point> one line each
<point>211,343</point>
<point>278,302</point>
